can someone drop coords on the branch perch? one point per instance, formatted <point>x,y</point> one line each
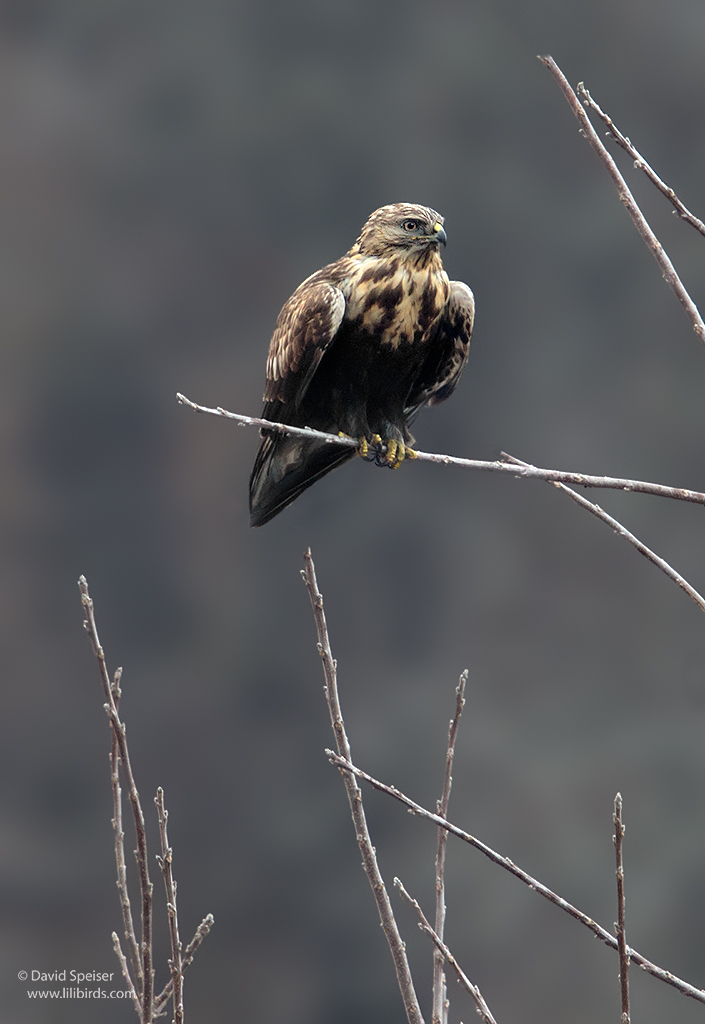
<point>517,468</point>
<point>498,466</point>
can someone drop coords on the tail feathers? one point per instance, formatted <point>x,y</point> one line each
<point>285,466</point>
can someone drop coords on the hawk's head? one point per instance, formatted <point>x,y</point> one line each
<point>402,228</point>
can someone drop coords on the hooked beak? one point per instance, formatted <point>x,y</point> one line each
<point>439,233</point>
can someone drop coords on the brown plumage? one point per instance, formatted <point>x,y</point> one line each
<point>359,347</point>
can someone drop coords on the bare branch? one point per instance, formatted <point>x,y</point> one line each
<point>640,222</point>
<point>623,532</point>
<point>620,927</point>
<point>369,860</point>
<point>639,162</point>
<point>199,935</point>
<point>128,923</point>
<point>165,863</point>
<point>533,883</point>
<point>126,974</point>
<point>119,734</point>
<point>187,958</point>
<point>445,954</point>
<point>440,1001</point>
<point>525,472</point>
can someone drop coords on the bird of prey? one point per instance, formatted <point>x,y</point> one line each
<point>358,349</point>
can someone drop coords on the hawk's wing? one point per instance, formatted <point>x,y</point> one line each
<point>441,371</point>
<point>285,465</point>
<point>305,328</point>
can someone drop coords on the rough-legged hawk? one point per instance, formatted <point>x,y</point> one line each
<point>359,347</point>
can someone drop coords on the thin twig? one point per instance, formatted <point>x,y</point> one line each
<point>128,923</point>
<point>440,1000</point>
<point>200,934</point>
<point>369,860</point>
<point>165,863</point>
<point>126,974</point>
<point>640,222</point>
<point>119,734</point>
<point>620,927</point>
<point>498,466</point>
<point>445,954</point>
<point>533,883</point>
<point>623,532</point>
<point>639,162</point>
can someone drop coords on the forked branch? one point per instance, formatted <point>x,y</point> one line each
<point>525,472</point>
<point>165,995</point>
<point>640,163</point>
<point>622,531</point>
<point>508,464</point>
<point>141,987</point>
<point>523,876</point>
<point>445,954</point>
<point>145,981</point>
<point>638,218</point>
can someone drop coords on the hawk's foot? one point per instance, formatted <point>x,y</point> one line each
<point>393,452</point>
<point>390,452</point>
<point>363,446</point>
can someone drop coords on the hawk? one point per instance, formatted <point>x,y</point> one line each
<point>358,349</point>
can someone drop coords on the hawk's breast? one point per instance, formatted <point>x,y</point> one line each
<point>397,302</point>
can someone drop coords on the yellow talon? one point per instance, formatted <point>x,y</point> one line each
<point>388,452</point>
<point>397,451</point>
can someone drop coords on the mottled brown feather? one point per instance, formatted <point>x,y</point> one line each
<point>454,333</point>
<point>305,328</point>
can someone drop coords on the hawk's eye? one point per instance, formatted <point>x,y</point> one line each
<point>411,225</point>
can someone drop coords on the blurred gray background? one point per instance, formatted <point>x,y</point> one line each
<point>169,172</point>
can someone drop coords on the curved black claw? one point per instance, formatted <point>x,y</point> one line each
<point>390,453</point>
